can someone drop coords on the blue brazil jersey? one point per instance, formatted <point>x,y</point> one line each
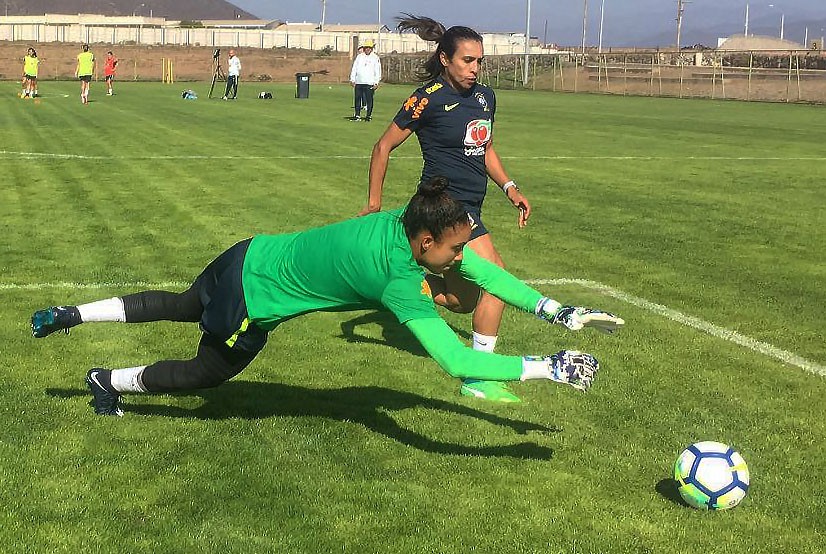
<point>453,130</point>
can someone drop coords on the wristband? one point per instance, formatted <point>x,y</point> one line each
<point>509,185</point>
<point>535,367</point>
<point>547,306</point>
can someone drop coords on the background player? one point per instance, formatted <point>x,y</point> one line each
<point>369,262</point>
<point>84,71</point>
<point>31,64</point>
<point>452,116</point>
<point>110,64</point>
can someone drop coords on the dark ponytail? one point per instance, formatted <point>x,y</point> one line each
<point>433,31</point>
<point>432,209</point>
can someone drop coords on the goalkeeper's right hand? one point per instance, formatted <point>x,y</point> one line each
<point>577,317</point>
<point>570,367</point>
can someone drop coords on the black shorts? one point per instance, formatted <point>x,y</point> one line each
<point>30,77</point>
<point>85,78</point>
<point>221,293</point>
<point>109,78</point>
<point>477,228</point>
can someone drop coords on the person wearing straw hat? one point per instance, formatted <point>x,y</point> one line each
<point>364,77</point>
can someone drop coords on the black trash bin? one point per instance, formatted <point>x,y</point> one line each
<point>302,85</point>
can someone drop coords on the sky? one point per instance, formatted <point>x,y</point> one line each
<point>625,22</point>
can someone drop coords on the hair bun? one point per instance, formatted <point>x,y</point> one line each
<point>433,187</point>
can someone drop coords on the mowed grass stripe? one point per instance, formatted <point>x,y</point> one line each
<point>341,435</point>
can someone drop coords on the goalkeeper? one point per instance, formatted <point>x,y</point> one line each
<point>377,261</point>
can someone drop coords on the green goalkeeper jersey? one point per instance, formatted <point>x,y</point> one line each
<point>360,263</point>
<point>366,263</point>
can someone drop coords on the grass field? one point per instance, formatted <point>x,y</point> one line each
<point>342,436</point>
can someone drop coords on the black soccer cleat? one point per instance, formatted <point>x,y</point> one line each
<point>57,318</point>
<point>104,401</point>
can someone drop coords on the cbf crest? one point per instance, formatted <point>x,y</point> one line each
<point>480,97</point>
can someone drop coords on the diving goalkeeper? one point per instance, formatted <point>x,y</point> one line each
<point>377,261</point>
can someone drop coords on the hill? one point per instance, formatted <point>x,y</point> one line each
<point>193,10</point>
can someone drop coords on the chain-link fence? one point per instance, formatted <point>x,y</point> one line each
<point>793,76</point>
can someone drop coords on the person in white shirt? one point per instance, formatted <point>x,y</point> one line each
<point>364,77</point>
<point>233,72</point>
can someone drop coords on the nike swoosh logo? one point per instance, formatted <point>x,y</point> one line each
<point>94,377</point>
<point>449,107</point>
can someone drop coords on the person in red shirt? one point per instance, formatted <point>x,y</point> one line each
<point>109,65</point>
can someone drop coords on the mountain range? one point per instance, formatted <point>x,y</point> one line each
<point>189,10</point>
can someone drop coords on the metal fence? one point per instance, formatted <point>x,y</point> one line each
<point>791,76</point>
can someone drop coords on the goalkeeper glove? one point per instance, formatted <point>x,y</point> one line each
<point>566,366</point>
<point>577,317</point>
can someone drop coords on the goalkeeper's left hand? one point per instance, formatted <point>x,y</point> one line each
<point>569,367</point>
<point>577,317</point>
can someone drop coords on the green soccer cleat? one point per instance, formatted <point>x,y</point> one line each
<point>495,391</point>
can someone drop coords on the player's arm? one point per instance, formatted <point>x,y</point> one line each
<point>500,283</point>
<point>496,171</point>
<point>392,137</point>
<point>456,359</point>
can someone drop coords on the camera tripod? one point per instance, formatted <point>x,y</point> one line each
<point>217,72</point>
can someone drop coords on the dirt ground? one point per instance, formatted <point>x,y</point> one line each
<point>189,63</point>
<point>692,82</point>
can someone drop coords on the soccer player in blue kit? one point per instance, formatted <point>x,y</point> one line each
<point>452,115</point>
<point>373,262</point>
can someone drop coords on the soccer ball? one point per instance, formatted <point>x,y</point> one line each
<point>712,476</point>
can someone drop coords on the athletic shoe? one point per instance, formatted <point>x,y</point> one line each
<point>355,118</point>
<point>368,118</point>
<point>104,401</point>
<point>495,391</point>
<point>223,98</point>
<point>57,318</point>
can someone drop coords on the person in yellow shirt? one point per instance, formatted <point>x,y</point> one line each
<point>30,65</point>
<point>85,70</point>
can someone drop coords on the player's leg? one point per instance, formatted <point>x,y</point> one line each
<point>453,292</point>
<point>488,314</point>
<point>356,101</point>
<point>142,307</point>
<point>214,364</point>
<point>487,318</point>
<point>33,86</point>
<point>229,343</point>
<point>149,306</point>
<point>368,95</point>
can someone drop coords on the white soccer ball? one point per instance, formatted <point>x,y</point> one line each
<point>711,476</point>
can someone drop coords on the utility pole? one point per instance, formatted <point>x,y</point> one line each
<point>601,21</point>
<point>680,10</point>
<point>584,22</point>
<point>323,14</point>
<point>527,45</point>
<point>747,20</point>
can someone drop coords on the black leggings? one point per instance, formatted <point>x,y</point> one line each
<point>214,363</point>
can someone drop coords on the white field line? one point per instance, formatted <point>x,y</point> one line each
<point>694,322</point>
<point>48,155</point>
<point>678,317</point>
